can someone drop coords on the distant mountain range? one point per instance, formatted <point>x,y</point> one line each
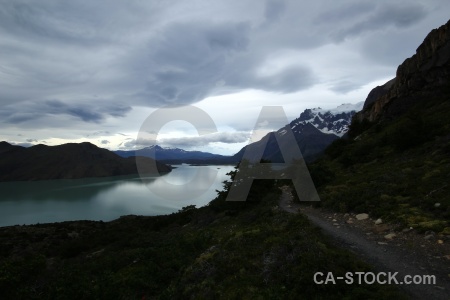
<point>67,161</point>
<point>314,130</point>
<point>174,155</point>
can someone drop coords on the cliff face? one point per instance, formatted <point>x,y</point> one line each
<point>423,75</point>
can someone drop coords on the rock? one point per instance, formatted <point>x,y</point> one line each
<point>437,204</point>
<point>378,92</point>
<point>73,235</point>
<point>361,217</point>
<point>378,222</point>
<point>382,243</point>
<point>381,228</point>
<point>418,77</point>
<point>334,220</point>
<point>447,257</point>
<point>429,237</point>
<point>390,236</point>
<point>349,221</point>
<point>335,224</point>
<point>96,253</point>
<point>440,241</point>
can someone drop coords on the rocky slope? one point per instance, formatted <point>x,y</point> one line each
<point>425,74</point>
<point>67,161</point>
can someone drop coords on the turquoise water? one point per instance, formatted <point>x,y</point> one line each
<point>109,198</point>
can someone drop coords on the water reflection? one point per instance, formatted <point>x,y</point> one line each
<point>108,198</point>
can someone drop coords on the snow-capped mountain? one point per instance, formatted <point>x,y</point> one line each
<point>330,121</point>
<point>314,130</point>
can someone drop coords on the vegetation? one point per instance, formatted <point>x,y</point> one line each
<point>227,250</point>
<point>395,169</point>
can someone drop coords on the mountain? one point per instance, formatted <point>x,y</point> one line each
<point>67,161</point>
<point>313,130</point>
<point>5,147</point>
<point>424,75</point>
<point>174,155</point>
<point>395,162</point>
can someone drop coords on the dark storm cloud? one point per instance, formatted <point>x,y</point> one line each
<point>288,80</point>
<point>89,23</point>
<point>345,86</point>
<point>383,16</point>
<point>191,61</point>
<point>184,64</point>
<point>99,133</point>
<point>114,55</point>
<point>344,13</point>
<point>30,111</point>
<point>273,10</point>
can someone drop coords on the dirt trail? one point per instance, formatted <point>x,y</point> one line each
<point>407,253</point>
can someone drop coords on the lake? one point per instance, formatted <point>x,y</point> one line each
<point>106,199</point>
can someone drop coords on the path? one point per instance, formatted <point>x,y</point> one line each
<point>408,253</point>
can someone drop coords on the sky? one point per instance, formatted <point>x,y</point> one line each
<point>75,71</point>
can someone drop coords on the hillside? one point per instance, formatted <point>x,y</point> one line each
<point>67,161</point>
<point>395,163</point>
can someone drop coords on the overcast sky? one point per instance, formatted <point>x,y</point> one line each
<point>73,71</point>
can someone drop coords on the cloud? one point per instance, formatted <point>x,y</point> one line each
<point>99,133</point>
<point>87,112</point>
<point>184,63</point>
<point>199,141</point>
<point>190,142</point>
<point>345,86</point>
<point>288,80</point>
<point>26,145</point>
<point>273,10</point>
<point>73,68</point>
<point>385,15</point>
<point>104,142</point>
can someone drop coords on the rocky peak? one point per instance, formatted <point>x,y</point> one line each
<point>330,121</point>
<point>424,74</point>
